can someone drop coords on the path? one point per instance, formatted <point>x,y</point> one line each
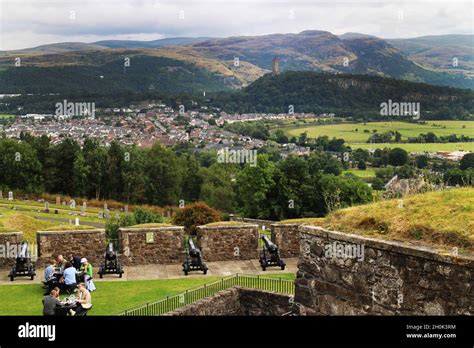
<point>149,272</point>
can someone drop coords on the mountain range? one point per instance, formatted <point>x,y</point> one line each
<point>213,61</point>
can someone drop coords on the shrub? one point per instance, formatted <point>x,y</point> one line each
<point>194,215</point>
<point>112,226</point>
<point>146,216</point>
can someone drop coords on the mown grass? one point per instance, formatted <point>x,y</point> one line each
<point>11,220</point>
<point>227,223</point>
<point>110,298</point>
<point>151,225</point>
<point>444,219</point>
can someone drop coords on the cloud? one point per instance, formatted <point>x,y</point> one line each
<point>27,23</point>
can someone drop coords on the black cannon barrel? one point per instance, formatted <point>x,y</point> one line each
<point>193,251</point>
<point>272,248</point>
<point>110,253</point>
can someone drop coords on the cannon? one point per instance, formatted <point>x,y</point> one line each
<point>111,264</point>
<point>193,260</point>
<point>270,255</point>
<point>24,267</point>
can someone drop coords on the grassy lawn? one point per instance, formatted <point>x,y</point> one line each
<point>6,116</point>
<point>110,298</point>
<point>358,139</point>
<point>367,173</point>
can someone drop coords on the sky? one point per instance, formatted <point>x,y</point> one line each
<point>30,23</point>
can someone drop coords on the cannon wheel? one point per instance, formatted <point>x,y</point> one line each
<point>120,275</point>
<point>12,277</point>
<point>282,267</point>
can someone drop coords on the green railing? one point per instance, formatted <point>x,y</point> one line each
<point>174,302</point>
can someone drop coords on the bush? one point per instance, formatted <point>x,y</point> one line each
<point>194,215</point>
<point>378,184</point>
<point>146,216</point>
<point>398,157</point>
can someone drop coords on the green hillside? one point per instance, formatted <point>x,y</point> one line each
<point>144,73</point>
<point>346,95</point>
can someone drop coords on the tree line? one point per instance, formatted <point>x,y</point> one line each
<point>273,189</point>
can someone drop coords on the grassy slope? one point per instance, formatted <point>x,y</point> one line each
<point>11,220</point>
<point>444,219</point>
<point>25,299</point>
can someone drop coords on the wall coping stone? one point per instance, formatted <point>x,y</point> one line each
<point>394,246</point>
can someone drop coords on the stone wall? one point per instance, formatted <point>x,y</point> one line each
<point>391,278</point>
<point>286,237</point>
<point>8,240</point>
<point>238,301</point>
<point>160,245</point>
<point>85,243</point>
<point>228,242</point>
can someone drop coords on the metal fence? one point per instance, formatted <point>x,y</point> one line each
<point>170,303</point>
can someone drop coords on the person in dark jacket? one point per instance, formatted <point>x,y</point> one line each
<point>50,302</point>
<point>76,261</point>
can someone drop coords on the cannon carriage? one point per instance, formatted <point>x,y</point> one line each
<point>193,260</point>
<point>270,255</point>
<point>111,264</point>
<point>24,266</point>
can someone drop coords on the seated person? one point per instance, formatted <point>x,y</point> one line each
<point>49,277</point>
<point>69,279</point>
<point>83,300</point>
<point>88,273</point>
<point>51,302</point>
<point>76,261</point>
<point>61,263</point>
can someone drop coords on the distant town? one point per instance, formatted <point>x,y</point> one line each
<point>145,126</point>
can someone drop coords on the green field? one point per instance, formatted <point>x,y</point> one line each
<point>5,116</point>
<point>420,147</point>
<point>367,173</point>
<point>358,139</point>
<point>25,299</point>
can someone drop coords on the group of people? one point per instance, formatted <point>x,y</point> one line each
<point>79,307</point>
<point>66,274</point>
<point>71,275</point>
